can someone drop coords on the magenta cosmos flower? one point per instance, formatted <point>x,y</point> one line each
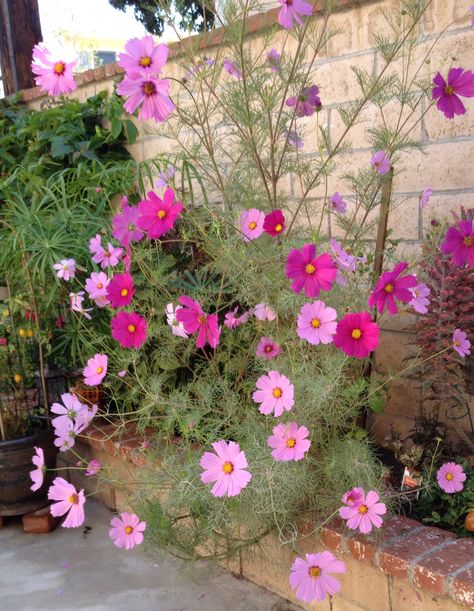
<point>420,301</point>
<point>460,83</point>
<point>460,343</point>
<point>391,286</point>
<point>317,323</point>
<point>93,467</point>
<point>459,243</point>
<point>251,224</point>
<point>65,269</point>
<point>148,92</point>
<point>292,10</point>
<point>70,501</point>
<point>307,102</point>
<point>96,369</point>
<point>96,285</point>
<point>158,216</point>
<point>425,197</point>
<point>451,477</point>
<point>124,225</point>
<point>129,329</point>
<point>275,393</point>
<point>337,203</point>
<point>274,223</point>
<point>366,514</point>
<point>311,578</point>
<point>357,334</point>
<point>37,475</point>
<point>127,530</point>
<point>289,441</point>
<point>310,273</point>
<point>109,256</point>
<point>267,349</point>
<point>380,162</point>
<point>353,497</point>
<point>142,58</point>
<point>263,311</point>
<point>227,468</point>
<point>121,290</point>
<point>194,319</point>
<point>53,69</point>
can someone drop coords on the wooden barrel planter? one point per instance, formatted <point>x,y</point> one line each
<point>16,497</point>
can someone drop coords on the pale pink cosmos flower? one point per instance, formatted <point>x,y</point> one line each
<point>93,467</point>
<point>337,203</point>
<point>37,475</point>
<point>275,393</point>
<point>68,410</point>
<point>345,262</point>
<point>268,349</point>
<point>96,369</point>
<point>471,8</point>
<point>263,311</point>
<point>425,197</point>
<point>122,374</point>
<point>148,92</point>
<point>164,178</point>
<point>76,300</point>
<point>232,69</point>
<point>109,256</point>
<point>273,60</point>
<point>65,269</point>
<point>317,323</point>
<point>420,301</point>
<point>227,468</point>
<point>177,328</point>
<point>450,477</point>
<point>70,501</point>
<point>251,224</point>
<point>366,515</point>
<point>96,285</point>
<point>102,301</point>
<point>460,343</point>
<point>310,578</point>
<point>292,10</point>
<point>53,69</point>
<point>142,58</point>
<point>127,530</point>
<point>289,441</point>
<point>232,320</point>
<point>380,162</point>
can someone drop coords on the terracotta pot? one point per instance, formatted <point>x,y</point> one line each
<point>16,497</point>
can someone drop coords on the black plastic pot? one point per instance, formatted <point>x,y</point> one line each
<point>16,497</point>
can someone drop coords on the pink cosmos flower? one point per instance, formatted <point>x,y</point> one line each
<point>76,300</point>
<point>450,477</point>
<point>101,301</point>
<point>263,311</point>
<point>381,162</point>
<point>317,323</point>
<point>366,515</point>
<point>459,243</point>
<point>67,411</point>
<point>232,69</point>
<point>106,257</point>
<point>37,475</point>
<point>70,501</point>
<point>392,286</point>
<point>93,467</point>
<point>129,329</point>
<point>96,369</point>
<point>65,269</point>
<point>460,343</point>
<point>291,10</point>
<point>294,140</point>
<point>273,60</point>
<point>177,328</point>
<point>122,374</point>
<point>460,83</point>
<point>353,497</point>
<point>158,216</point>
<point>420,301</point>
<point>124,225</point>
<point>194,319</point>
<point>310,273</point>
<point>165,177</point>
<point>53,69</point>
<point>268,349</point>
<point>345,262</point>
<point>96,285</point>
<point>307,101</point>
<point>275,393</point>
<point>66,431</point>
<point>274,223</point>
<point>142,58</point>
<point>232,321</point>
<point>425,197</point>
<point>310,578</point>
<point>289,441</point>
<point>251,224</point>
<point>227,467</point>
<point>357,334</point>
<point>121,290</point>
<point>337,203</point>
<point>98,189</point>
<point>127,530</point>
<point>148,92</point>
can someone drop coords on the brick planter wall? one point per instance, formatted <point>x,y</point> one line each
<point>406,566</point>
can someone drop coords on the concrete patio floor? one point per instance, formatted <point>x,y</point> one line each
<point>67,569</point>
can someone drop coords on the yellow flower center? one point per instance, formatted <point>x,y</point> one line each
<point>278,228</point>
<point>389,288</point>
<point>124,292</point>
<point>59,67</point>
<point>315,323</point>
<point>128,530</point>
<point>468,241</point>
<point>107,253</point>
<point>228,467</point>
<point>457,343</point>
<point>268,348</point>
<point>449,476</point>
<point>149,88</point>
<point>145,61</point>
<point>74,499</point>
<point>277,393</point>
<point>131,227</point>
<point>100,369</point>
<point>356,333</point>
<point>363,509</point>
<point>310,269</point>
<point>161,214</point>
<point>290,443</point>
<point>449,90</point>
<point>252,225</point>
<point>314,571</point>
<point>99,285</point>
<point>131,328</point>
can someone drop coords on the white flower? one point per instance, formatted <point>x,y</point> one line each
<point>177,327</point>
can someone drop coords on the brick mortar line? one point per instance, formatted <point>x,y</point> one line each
<point>425,554</point>
<point>452,576</point>
<point>392,540</point>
